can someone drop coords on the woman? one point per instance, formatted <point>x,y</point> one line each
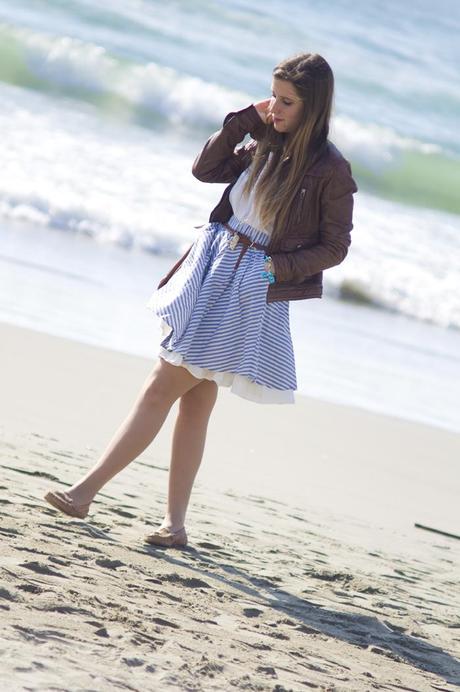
<point>285,217</point>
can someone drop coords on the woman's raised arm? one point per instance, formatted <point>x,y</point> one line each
<point>219,161</point>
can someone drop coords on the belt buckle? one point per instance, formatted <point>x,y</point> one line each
<point>234,241</point>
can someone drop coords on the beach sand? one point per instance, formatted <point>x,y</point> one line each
<point>304,569</point>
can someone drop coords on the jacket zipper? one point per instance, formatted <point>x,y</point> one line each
<point>303,192</point>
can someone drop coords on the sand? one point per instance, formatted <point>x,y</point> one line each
<point>304,568</point>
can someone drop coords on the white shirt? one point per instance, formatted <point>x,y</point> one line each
<point>243,206</point>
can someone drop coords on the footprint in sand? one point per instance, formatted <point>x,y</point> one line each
<point>59,561</point>
<point>7,595</point>
<point>176,599</point>
<point>41,568</point>
<point>39,636</point>
<point>330,576</point>
<point>165,623</point>
<point>67,610</point>
<point>30,588</point>
<point>276,635</point>
<point>191,582</point>
<point>110,564</point>
<point>9,533</point>
<point>91,548</point>
<point>252,612</point>
<point>268,670</point>
<point>122,513</point>
<point>38,474</point>
<point>133,662</point>
<point>209,546</point>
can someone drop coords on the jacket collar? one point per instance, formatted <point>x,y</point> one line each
<point>322,166</point>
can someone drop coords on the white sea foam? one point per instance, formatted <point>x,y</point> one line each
<point>71,171</point>
<point>65,167</point>
<point>373,145</point>
<point>74,64</point>
<point>404,259</point>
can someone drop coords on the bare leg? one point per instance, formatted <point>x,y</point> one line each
<point>187,449</point>
<point>163,387</point>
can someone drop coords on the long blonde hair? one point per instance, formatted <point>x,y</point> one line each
<point>313,80</point>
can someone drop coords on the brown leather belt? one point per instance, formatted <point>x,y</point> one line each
<point>244,240</point>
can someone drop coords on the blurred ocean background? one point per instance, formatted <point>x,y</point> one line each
<point>105,104</point>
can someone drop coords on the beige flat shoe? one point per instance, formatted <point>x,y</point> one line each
<point>167,538</point>
<point>61,500</point>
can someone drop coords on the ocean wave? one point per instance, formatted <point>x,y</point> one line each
<point>44,213</point>
<point>71,170</point>
<point>88,72</point>
<point>400,168</point>
<point>394,167</point>
<point>420,292</point>
<point>423,308</point>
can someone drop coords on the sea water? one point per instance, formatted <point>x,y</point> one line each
<point>105,106</point>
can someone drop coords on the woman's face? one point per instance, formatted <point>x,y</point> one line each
<point>286,106</point>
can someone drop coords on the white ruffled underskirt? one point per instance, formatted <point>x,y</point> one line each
<point>239,384</point>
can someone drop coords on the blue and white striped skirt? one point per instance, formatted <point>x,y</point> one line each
<point>215,321</point>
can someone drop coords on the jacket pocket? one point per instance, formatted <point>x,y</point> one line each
<point>294,242</point>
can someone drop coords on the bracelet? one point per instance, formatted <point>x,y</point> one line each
<point>268,274</point>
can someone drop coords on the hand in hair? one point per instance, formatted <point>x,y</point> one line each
<point>263,109</point>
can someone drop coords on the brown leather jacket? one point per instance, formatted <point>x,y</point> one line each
<point>317,235</point>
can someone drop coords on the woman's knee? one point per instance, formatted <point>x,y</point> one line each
<point>199,401</point>
<point>167,383</point>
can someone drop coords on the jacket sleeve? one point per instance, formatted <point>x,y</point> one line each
<point>334,231</point>
<point>219,161</point>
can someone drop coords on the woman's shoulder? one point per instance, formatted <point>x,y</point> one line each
<point>331,160</point>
